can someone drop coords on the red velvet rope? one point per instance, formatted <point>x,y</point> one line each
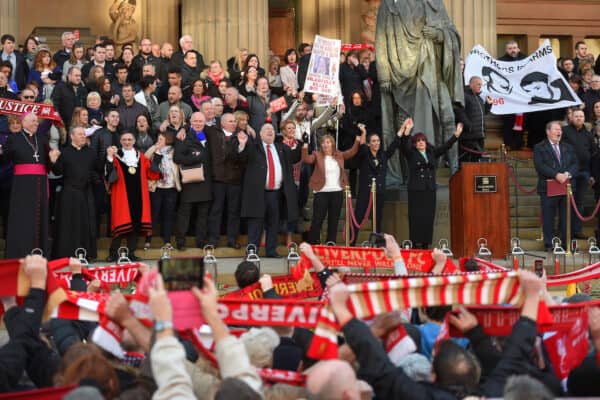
<point>520,188</point>
<point>472,151</point>
<point>582,218</point>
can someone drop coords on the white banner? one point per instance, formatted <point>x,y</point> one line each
<point>531,84</point>
<point>324,67</point>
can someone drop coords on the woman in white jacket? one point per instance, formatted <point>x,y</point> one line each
<point>289,72</point>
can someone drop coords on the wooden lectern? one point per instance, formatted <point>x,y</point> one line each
<point>480,208</point>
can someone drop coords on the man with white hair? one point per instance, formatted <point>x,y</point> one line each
<point>68,40</point>
<point>267,178</point>
<point>186,43</point>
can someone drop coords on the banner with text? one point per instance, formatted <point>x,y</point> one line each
<point>528,85</point>
<point>324,67</point>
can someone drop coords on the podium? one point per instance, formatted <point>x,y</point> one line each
<point>480,207</point>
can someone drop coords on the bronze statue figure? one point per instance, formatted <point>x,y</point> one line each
<point>418,63</point>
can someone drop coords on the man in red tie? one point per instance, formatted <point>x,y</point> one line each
<point>267,178</point>
<point>553,160</point>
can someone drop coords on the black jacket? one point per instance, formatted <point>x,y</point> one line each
<point>473,116</point>
<point>21,70</point>
<point>351,78</point>
<point>516,360</point>
<point>589,98</point>
<point>23,325</point>
<point>547,165</point>
<point>109,71</point>
<point>188,153</point>
<point>421,172</point>
<point>137,64</point>
<point>255,176</point>
<point>387,381</point>
<point>65,100</point>
<point>225,166</point>
<point>374,166</point>
<point>581,141</point>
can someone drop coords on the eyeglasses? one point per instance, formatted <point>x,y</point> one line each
<point>29,97</point>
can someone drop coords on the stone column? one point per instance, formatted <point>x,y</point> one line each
<point>9,18</point>
<point>220,27</point>
<point>475,21</point>
<point>161,21</point>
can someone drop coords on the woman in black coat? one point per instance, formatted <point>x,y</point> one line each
<point>422,158</point>
<point>358,113</point>
<point>372,163</point>
<point>193,152</point>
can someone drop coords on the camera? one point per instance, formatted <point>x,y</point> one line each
<point>376,240</point>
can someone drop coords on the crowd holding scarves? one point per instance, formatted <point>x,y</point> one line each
<point>494,299</point>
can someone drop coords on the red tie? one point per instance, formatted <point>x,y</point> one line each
<point>271,172</point>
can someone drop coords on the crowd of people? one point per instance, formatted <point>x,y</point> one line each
<point>371,360</point>
<point>161,142</point>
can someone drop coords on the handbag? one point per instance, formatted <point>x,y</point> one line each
<point>192,173</point>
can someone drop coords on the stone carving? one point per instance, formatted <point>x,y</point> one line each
<point>124,27</point>
<point>418,64</point>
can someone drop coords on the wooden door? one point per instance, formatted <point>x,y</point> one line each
<point>282,30</point>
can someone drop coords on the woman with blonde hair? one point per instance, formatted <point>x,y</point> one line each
<point>236,64</point>
<point>327,183</point>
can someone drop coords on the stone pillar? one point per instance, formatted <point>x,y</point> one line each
<point>475,21</point>
<point>9,17</point>
<point>335,19</point>
<point>220,27</point>
<point>161,21</point>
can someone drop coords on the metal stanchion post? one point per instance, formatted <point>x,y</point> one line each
<point>374,206</point>
<point>569,194</point>
<point>348,198</point>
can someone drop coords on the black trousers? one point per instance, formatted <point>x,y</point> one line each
<point>306,171</point>
<point>225,193</point>
<point>102,205</point>
<point>131,237</point>
<point>164,204</point>
<point>326,204</point>
<point>183,221</point>
<point>270,222</point>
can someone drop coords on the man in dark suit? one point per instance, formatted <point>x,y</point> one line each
<point>553,160</point>
<point>20,69</point>
<point>268,177</point>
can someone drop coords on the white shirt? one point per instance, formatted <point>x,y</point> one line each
<point>278,171</point>
<point>332,175</point>
<point>130,157</point>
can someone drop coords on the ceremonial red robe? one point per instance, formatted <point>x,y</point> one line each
<point>121,221</point>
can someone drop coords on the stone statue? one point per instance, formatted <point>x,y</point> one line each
<point>418,64</point>
<point>124,27</point>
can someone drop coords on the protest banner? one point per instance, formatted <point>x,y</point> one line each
<point>324,67</point>
<point>528,85</point>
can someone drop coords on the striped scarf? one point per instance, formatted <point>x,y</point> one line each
<point>373,298</point>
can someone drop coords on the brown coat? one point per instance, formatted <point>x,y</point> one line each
<point>317,180</point>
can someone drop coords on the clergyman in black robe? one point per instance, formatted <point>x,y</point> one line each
<point>28,217</point>
<point>75,214</point>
